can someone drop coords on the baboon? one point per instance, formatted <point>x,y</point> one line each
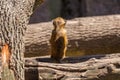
<point>58,39</point>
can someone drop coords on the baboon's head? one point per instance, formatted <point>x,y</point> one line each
<point>59,22</point>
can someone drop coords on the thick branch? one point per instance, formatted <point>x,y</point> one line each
<point>97,67</point>
<point>88,35</point>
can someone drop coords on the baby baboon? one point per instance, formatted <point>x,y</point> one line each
<point>58,39</point>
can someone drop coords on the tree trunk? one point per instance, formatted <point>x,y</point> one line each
<point>89,35</point>
<point>95,67</point>
<point>14,16</point>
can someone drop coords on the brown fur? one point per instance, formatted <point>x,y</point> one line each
<point>58,39</point>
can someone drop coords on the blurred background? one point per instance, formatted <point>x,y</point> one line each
<point>69,9</point>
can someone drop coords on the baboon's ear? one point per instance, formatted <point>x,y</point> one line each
<point>53,22</point>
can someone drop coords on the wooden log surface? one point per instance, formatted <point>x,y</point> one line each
<point>88,35</point>
<point>99,34</point>
<point>95,67</point>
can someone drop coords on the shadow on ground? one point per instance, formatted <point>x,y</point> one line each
<point>70,59</point>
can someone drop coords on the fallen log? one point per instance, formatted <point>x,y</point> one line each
<point>87,35</point>
<point>95,67</point>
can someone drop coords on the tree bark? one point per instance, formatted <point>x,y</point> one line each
<point>14,17</point>
<point>88,35</point>
<point>95,67</point>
